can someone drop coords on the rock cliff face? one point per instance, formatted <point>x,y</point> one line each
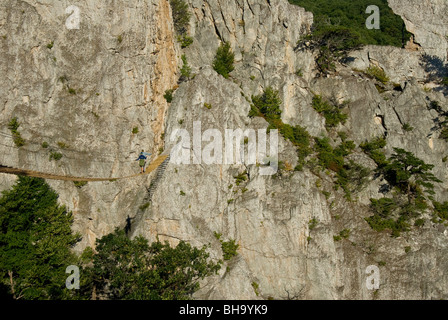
<point>427,20</point>
<point>119,64</point>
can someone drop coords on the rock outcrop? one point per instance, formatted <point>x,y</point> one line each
<point>85,90</point>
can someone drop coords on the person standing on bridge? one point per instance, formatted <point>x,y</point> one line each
<point>142,160</point>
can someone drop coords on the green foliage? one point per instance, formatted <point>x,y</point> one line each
<point>333,44</point>
<point>35,241</point>
<point>79,184</point>
<point>224,60</point>
<point>268,104</point>
<point>372,149</point>
<point>71,90</point>
<point>407,127</point>
<point>135,130</point>
<point>345,233</point>
<point>13,126</point>
<point>242,177</point>
<point>440,214</point>
<point>185,71</point>
<point>407,172</point>
<point>351,14</point>
<point>62,145</point>
<point>208,105</point>
<point>413,183</point>
<point>350,176</point>
<point>182,193</point>
<point>299,137</point>
<point>50,45</point>
<point>145,206</point>
<point>185,41</point>
<point>327,157</point>
<point>181,15</point>
<point>168,95</point>
<point>45,145</point>
<point>312,223</point>
<point>229,249</point>
<point>133,269</point>
<point>332,114</point>
<point>444,134</point>
<point>256,288</point>
<point>377,73</point>
<point>55,156</point>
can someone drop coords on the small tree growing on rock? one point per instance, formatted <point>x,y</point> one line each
<point>224,59</point>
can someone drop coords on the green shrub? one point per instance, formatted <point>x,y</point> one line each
<point>135,130</point>
<point>208,106</point>
<point>13,126</point>
<point>145,206</point>
<point>185,41</point>
<point>312,223</point>
<point>181,15</point>
<point>79,184</point>
<point>268,103</point>
<point>444,81</point>
<point>62,145</point>
<point>242,177</point>
<point>332,114</point>
<point>229,249</point>
<point>372,149</point>
<point>185,71</point>
<point>50,45</point>
<point>407,127</point>
<point>333,44</point>
<point>444,134</point>
<point>45,145</point>
<point>224,60</point>
<point>55,156</point>
<point>256,288</point>
<point>345,233</point>
<point>440,212</point>
<point>377,73</point>
<point>168,95</point>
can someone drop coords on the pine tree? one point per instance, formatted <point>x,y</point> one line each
<point>35,241</point>
<point>224,59</point>
<point>133,269</point>
<point>185,71</point>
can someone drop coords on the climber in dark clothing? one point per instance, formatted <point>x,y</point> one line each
<point>142,160</point>
<point>127,228</point>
